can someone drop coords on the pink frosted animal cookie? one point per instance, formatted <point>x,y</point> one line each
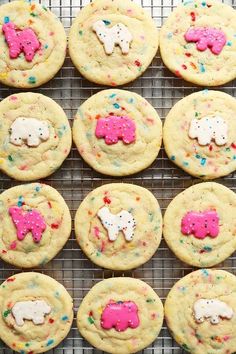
<point>201,224</point>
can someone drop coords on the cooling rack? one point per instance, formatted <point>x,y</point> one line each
<point>75,179</point>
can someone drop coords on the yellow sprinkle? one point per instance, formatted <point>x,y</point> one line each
<point>3,75</point>
<point>1,161</point>
<point>100,310</point>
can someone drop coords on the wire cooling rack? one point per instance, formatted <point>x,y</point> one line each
<point>75,179</point>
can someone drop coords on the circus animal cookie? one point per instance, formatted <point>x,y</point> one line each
<point>198,42</point>
<point>32,222</point>
<point>112,42</point>
<point>205,38</point>
<point>35,224</point>
<point>120,315</point>
<point>33,44</point>
<point>126,141</point>
<point>200,134</point>
<point>200,327</point>
<point>20,41</point>
<point>209,129</point>
<point>119,226</point>
<point>213,309</point>
<point>123,221</point>
<point>127,323</point>
<point>109,37</point>
<point>35,136</point>
<point>36,313</point>
<point>29,130</point>
<point>204,236</point>
<point>200,224</point>
<point>30,310</point>
<point>114,128</point>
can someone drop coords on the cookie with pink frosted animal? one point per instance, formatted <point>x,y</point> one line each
<point>199,224</point>
<point>33,44</point>
<point>198,42</point>
<point>120,315</point>
<point>117,132</point>
<point>35,224</point>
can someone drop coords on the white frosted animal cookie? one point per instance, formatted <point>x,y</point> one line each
<point>124,221</point>
<point>29,130</point>
<point>213,309</point>
<point>30,310</point>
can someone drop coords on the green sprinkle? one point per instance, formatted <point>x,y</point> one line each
<point>172,158</point>
<point>184,346</point>
<point>196,114</point>
<point>181,241</point>
<point>150,300</point>
<point>81,33</point>
<point>10,158</point>
<point>185,163</point>
<point>32,80</point>
<point>98,254</point>
<point>44,7</point>
<point>151,217</point>
<point>27,344</point>
<point>91,320</point>
<point>6,313</point>
<point>33,14</point>
<point>207,248</point>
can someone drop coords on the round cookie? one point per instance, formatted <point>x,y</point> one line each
<point>35,136</point>
<point>200,134</point>
<point>35,224</point>
<point>33,44</point>
<point>119,226</point>
<point>36,312</point>
<point>117,132</point>
<point>198,42</point>
<point>112,42</point>
<point>200,312</point>
<point>200,226</point>
<point>120,315</point>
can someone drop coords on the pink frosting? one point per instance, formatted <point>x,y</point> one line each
<point>20,41</point>
<point>31,221</point>
<point>120,315</point>
<point>206,37</point>
<point>201,224</point>
<point>113,128</point>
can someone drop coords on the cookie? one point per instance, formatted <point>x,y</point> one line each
<point>200,134</point>
<point>112,42</point>
<point>200,311</point>
<point>200,226</point>
<point>120,315</point>
<point>36,312</point>
<point>198,42</point>
<point>35,136</point>
<point>117,132</point>
<point>33,44</point>
<point>35,224</point>
<point>119,226</point>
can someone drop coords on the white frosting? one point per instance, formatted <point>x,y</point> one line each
<point>116,35</point>
<point>28,130</point>
<point>30,310</point>
<point>213,309</point>
<point>123,221</point>
<point>207,129</point>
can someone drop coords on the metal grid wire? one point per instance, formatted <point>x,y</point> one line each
<point>75,179</point>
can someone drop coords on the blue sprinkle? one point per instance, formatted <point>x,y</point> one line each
<point>203,161</point>
<point>198,156</point>
<point>65,318</point>
<point>6,19</point>
<point>20,201</point>
<point>185,163</point>
<point>113,95</point>
<point>205,91</point>
<point>203,3</point>
<point>234,157</point>
<point>46,46</point>
<point>22,352</point>
<point>131,100</point>
<point>119,302</point>
<point>229,43</point>
<point>57,294</point>
<point>107,23</point>
<point>169,35</point>
<point>50,342</point>
<point>37,188</point>
<point>116,105</point>
<point>172,158</point>
<point>205,272</point>
<point>202,68</point>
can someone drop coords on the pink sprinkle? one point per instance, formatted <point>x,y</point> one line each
<point>206,37</point>
<point>96,232</point>
<point>13,98</point>
<point>201,224</point>
<point>103,246</point>
<point>13,245</point>
<point>51,34</point>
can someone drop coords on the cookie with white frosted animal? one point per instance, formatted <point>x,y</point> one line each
<point>112,42</point>
<point>35,224</point>
<point>200,134</point>
<point>120,315</point>
<point>119,226</point>
<point>200,226</point>
<point>200,311</point>
<point>36,312</point>
<point>35,136</point>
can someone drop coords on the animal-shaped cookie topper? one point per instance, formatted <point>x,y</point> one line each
<point>200,224</point>
<point>30,310</point>
<point>212,309</point>
<point>116,35</point>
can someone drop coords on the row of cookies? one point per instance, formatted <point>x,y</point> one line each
<point>112,42</point>
<point>118,133</point>
<point>118,225</point>
<point>121,315</point>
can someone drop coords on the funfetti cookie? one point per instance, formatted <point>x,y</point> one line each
<point>120,315</point>
<point>112,42</point>
<point>198,42</point>
<point>117,132</point>
<point>35,136</point>
<point>119,226</point>
<point>200,134</point>
<point>36,313</point>
<point>200,311</point>
<point>35,224</point>
<point>33,44</point>
<point>200,224</point>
